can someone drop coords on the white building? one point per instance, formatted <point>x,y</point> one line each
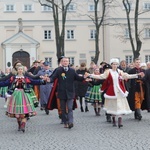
<point>27,33</point>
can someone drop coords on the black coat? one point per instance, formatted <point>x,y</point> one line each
<point>147,88</point>
<point>81,87</point>
<point>66,80</point>
<point>134,87</point>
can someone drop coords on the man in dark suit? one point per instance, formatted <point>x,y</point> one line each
<point>66,77</point>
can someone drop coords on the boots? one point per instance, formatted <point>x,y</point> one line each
<point>95,111</point>
<point>23,126</point>
<point>137,114</point>
<point>82,109</point>
<point>120,122</point>
<point>86,109</point>
<point>108,117</point>
<point>98,113</point>
<point>19,125</point>
<point>114,121</point>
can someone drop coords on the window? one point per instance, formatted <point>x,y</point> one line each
<point>70,34</point>
<point>91,7</point>
<point>47,34</point>
<point>49,59</point>
<point>147,33</point>
<point>146,6</point>
<point>82,55</point>
<point>28,7</point>
<point>71,60</point>
<point>10,7</point>
<point>129,59</point>
<point>126,33</point>
<point>147,58</point>
<point>46,8</point>
<point>71,7</point>
<point>92,34</point>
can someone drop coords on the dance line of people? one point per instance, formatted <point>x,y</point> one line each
<point>112,87</point>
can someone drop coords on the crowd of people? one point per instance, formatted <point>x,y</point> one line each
<point>117,87</point>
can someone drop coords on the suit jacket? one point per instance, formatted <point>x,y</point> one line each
<point>66,80</point>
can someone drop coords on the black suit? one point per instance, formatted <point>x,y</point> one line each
<point>66,90</point>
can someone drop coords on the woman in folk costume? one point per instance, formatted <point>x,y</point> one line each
<point>93,94</point>
<point>20,104</point>
<point>115,96</point>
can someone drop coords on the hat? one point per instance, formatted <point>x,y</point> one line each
<point>114,60</point>
<point>103,62</point>
<point>46,63</point>
<point>107,66</point>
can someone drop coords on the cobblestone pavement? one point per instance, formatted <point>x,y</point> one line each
<point>44,132</point>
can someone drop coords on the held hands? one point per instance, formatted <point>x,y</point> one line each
<point>45,78</point>
<point>141,74</point>
<point>86,75</point>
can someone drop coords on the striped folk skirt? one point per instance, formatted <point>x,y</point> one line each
<point>93,94</point>
<point>20,105</point>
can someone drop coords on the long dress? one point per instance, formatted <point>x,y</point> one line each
<point>115,97</point>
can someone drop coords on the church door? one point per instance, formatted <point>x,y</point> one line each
<point>23,56</point>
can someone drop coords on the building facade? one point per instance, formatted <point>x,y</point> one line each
<point>28,33</point>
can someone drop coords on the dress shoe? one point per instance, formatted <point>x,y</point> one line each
<point>41,108</point>
<point>70,125</point>
<point>47,111</point>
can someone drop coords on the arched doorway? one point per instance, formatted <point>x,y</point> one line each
<point>23,56</point>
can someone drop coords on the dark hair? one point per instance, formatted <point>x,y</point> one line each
<point>59,59</point>
<point>14,65</point>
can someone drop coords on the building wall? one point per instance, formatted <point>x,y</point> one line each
<point>82,48</point>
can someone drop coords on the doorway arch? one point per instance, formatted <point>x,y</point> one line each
<point>23,56</point>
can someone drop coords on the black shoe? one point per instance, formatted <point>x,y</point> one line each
<point>47,111</point>
<point>86,109</point>
<point>41,108</point>
<point>148,110</point>
<point>70,125</point>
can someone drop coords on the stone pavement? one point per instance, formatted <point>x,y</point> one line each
<point>44,132</point>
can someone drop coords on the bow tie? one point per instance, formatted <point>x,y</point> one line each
<point>66,68</point>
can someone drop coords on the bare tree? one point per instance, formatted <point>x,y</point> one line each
<point>58,6</point>
<point>98,19</point>
<point>137,44</point>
